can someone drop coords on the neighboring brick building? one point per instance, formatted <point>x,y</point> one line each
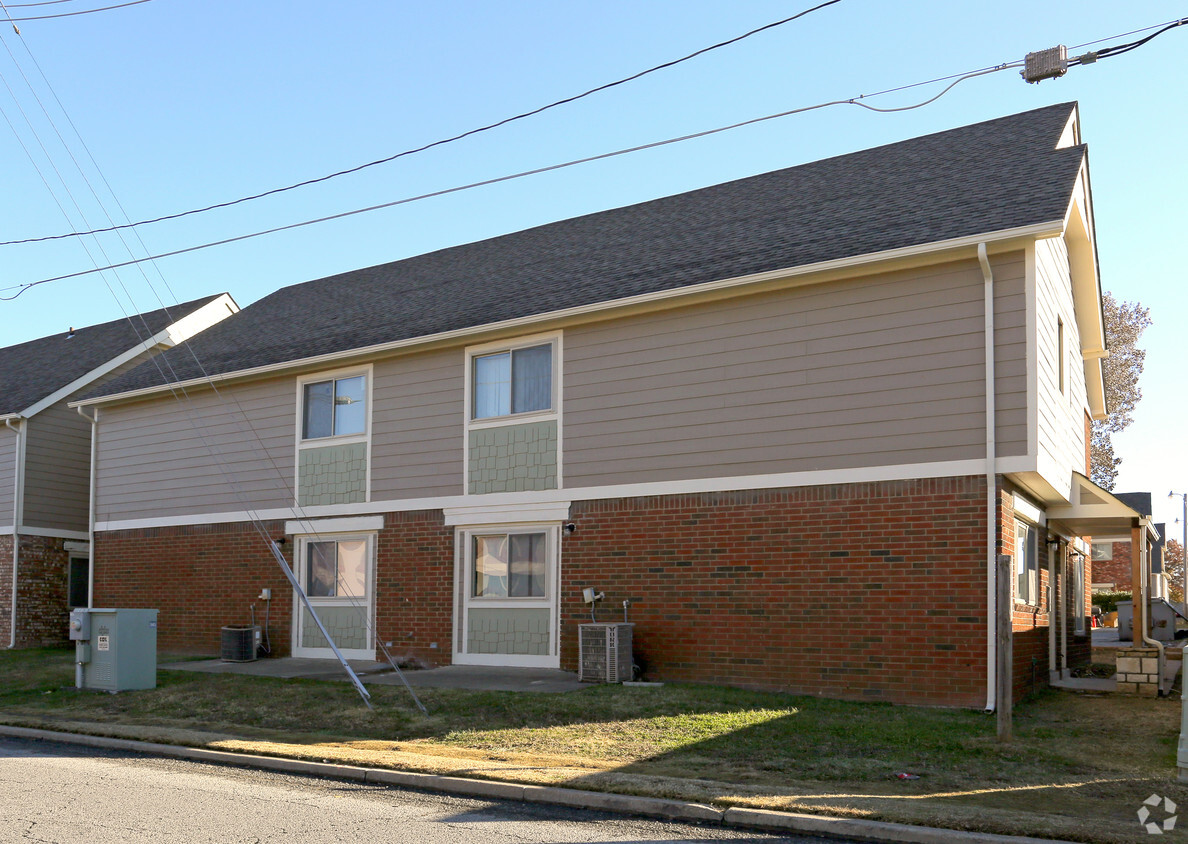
<point>792,419</point>
<point>45,459</point>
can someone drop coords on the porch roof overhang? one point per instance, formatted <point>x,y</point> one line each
<point>1096,512</point>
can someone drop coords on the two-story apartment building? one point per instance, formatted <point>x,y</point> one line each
<point>793,419</point>
<point>45,458</point>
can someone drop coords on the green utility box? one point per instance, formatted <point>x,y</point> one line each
<point>115,649</point>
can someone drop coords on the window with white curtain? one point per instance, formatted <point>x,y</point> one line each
<point>505,383</point>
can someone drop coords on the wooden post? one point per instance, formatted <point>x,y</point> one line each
<point>1005,674</point>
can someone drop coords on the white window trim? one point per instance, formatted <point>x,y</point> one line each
<point>463,565</point>
<point>556,338</point>
<point>1033,599</point>
<point>367,371</point>
<point>301,542</point>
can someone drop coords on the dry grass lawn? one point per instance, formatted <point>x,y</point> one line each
<point>1079,769</point>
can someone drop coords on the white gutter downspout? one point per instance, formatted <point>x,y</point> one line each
<point>18,493</point>
<point>91,504</point>
<point>1054,672</point>
<point>991,492</point>
<point>1145,562</point>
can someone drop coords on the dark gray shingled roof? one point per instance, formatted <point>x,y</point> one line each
<point>31,371</point>
<point>1001,174</point>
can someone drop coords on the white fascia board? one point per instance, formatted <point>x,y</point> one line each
<point>519,503</point>
<point>315,527</point>
<point>53,533</point>
<point>941,250</point>
<point>178,332</point>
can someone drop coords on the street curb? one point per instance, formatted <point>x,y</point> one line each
<point>878,832</point>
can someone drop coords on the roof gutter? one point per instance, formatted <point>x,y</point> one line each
<point>991,488</point>
<point>1053,228</point>
<point>18,507</point>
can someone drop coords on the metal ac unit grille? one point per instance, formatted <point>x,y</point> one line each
<point>239,643</point>
<point>605,653</point>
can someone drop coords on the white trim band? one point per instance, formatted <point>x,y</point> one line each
<point>866,474</point>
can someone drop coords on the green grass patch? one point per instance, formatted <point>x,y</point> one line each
<point>1072,752</point>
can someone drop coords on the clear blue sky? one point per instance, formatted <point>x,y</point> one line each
<point>184,104</point>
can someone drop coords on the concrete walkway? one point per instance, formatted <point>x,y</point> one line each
<point>473,677</point>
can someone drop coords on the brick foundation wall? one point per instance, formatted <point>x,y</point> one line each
<point>200,578</point>
<point>863,591</point>
<point>5,590</point>
<point>204,577</point>
<point>415,594</point>
<point>42,573</point>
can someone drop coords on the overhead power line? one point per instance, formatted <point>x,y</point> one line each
<point>856,101</point>
<point>413,151</point>
<point>80,12</point>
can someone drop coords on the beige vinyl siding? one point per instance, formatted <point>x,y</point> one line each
<point>58,461</point>
<point>8,447</point>
<point>1061,416</point>
<point>58,469</point>
<point>417,425</point>
<point>1010,354</point>
<point>153,462</point>
<point>875,371</point>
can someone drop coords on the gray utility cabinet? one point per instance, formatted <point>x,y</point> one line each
<point>115,650</point>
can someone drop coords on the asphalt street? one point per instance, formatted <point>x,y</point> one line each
<point>51,792</point>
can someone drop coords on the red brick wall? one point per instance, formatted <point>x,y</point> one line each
<point>863,591</point>
<point>42,571</point>
<point>204,577</point>
<point>1116,570</point>
<point>200,578</point>
<point>5,590</point>
<point>415,594</point>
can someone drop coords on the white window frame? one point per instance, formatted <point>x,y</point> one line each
<point>301,565</point>
<point>1078,589</point>
<point>464,601</point>
<point>335,439</point>
<point>556,338</point>
<point>472,352</point>
<point>1032,598</point>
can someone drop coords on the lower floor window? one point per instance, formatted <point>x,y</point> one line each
<point>336,568</point>
<point>509,566</point>
<point>1027,563</point>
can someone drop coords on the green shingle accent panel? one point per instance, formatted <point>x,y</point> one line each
<point>335,474</point>
<point>512,458</point>
<point>507,631</point>
<point>346,625</point>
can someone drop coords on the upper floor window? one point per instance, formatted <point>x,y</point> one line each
<point>513,381</point>
<point>335,407</point>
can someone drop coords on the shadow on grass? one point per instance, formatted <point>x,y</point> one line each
<point>1080,767</point>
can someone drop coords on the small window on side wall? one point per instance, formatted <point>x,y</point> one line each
<point>1027,563</point>
<point>335,407</point>
<point>513,381</point>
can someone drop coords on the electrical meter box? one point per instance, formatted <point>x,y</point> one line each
<point>115,649</point>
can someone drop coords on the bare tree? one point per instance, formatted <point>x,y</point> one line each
<point>1124,324</point>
